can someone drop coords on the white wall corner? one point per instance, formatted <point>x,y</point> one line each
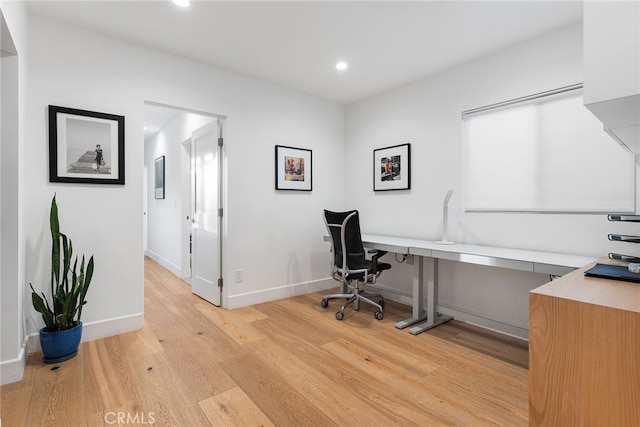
<point>176,270</point>
<point>11,371</point>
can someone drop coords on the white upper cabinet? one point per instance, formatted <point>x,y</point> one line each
<point>612,68</point>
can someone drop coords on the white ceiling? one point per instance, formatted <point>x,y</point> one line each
<point>297,43</point>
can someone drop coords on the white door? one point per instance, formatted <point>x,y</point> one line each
<point>206,221</point>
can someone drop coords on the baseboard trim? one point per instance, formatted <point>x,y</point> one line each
<point>164,262</point>
<point>11,371</point>
<point>393,294</point>
<point>483,322</point>
<point>100,329</point>
<point>276,293</point>
<point>265,295</point>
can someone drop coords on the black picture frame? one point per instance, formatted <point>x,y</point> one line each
<point>85,147</point>
<point>392,168</point>
<point>158,174</point>
<point>294,168</point>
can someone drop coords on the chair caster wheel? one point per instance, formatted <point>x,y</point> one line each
<point>379,315</point>
<point>324,302</point>
<point>339,315</point>
<point>381,302</point>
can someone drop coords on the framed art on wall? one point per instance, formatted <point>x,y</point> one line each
<point>85,146</point>
<point>392,168</point>
<point>159,178</point>
<point>293,168</point>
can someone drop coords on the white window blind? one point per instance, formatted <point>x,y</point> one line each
<point>544,153</point>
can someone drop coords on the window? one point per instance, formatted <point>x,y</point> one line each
<point>544,153</point>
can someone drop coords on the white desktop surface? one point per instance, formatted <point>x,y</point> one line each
<point>518,259</point>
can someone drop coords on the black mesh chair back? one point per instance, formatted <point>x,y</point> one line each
<point>353,253</point>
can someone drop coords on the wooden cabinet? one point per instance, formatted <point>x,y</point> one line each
<point>584,352</point>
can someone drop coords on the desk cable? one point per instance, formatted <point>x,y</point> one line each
<point>400,261</point>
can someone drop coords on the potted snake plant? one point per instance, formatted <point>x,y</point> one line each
<point>60,337</point>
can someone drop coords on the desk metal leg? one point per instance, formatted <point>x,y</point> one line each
<point>418,314</point>
<point>433,318</point>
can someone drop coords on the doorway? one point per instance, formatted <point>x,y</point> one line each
<point>184,225</point>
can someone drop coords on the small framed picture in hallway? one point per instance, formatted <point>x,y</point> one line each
<point>159,178</point>
<point>85,146</point>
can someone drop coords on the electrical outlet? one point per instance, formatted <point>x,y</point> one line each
<point>239,276</point>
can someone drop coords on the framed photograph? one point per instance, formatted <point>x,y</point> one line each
<point>85,146</point>
<point>293,168</point>
<point>392,168</point>
<point>159,177</point>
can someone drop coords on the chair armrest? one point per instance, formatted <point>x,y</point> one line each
<point>376,251</point>
<point>374,259</point>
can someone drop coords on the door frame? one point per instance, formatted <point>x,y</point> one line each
<point>186,190</point>
<point>185,232</point>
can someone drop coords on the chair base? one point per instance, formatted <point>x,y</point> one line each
<point>355,298</point>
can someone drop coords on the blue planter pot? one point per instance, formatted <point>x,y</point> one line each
<point>61,345</point>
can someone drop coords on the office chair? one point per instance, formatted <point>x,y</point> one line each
<point>349,264</point>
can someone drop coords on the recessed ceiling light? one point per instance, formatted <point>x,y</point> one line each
<point>341,66</point>
<point>182,3</point>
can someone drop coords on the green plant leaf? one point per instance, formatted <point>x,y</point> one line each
<point>85,284</point>
<point>54,225</point>
<point>67,247</point>
<point>41,306</point>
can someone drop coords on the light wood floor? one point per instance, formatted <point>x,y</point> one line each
<point>282,363</point>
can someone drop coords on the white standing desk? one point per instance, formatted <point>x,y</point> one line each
<point>429,252</point>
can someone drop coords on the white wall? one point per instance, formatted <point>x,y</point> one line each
<point>9,174</point>
<point>274,237</point>
<point>13,92</point>
<point>79,70</point>
<point>426,113</point>
<point>612,50</point>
